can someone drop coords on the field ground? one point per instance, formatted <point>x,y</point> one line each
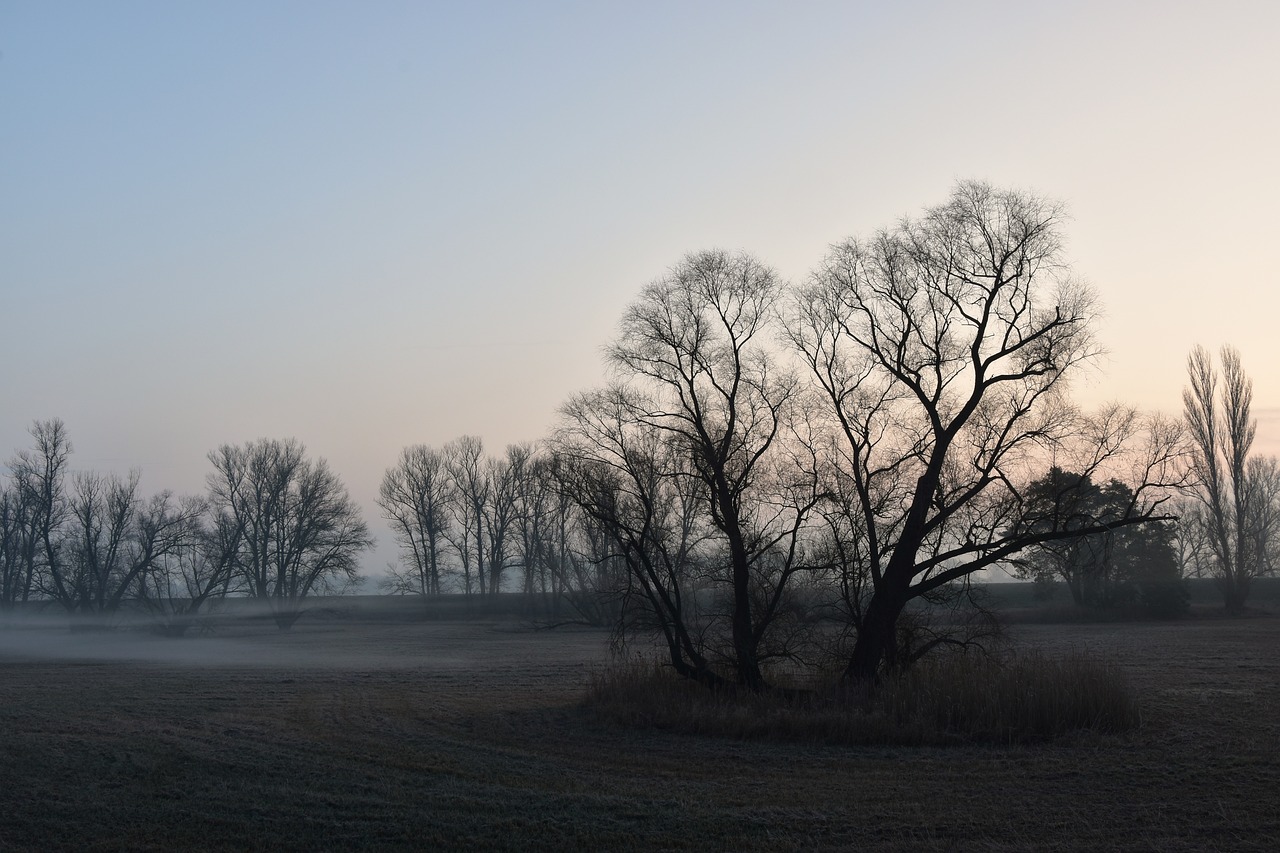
<point>387,733</point>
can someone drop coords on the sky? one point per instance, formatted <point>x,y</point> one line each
<point>369,225</point>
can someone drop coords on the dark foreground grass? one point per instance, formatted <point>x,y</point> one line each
<point>347,734</point>
<point>1024,698</point>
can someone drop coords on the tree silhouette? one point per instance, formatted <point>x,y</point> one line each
<point>302,533</point>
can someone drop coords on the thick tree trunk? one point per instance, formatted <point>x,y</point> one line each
<point>877,639</point>
<point>696,670</point>
<point>744,641</point>
<point>1235,592</point>
<point>744,647</point>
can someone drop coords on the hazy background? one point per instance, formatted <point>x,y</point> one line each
<point>369,225</point>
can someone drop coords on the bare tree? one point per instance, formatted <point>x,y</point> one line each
<point>941,348</point>
<point>506,477</point>
<point>533,523</point>
<point>577,561</point>
<point>302,533</point>
<point>95,571</point>
<point>16,567</point>
<point>1263,476</point>
<point>1191,538</point>
<point>465,462</point>
<point>700,390</point>
<point>39,482</point>
<point>202,567</point>
<point>1238,492</point>
<point>94,546</point>
<point>417,496</point>
<point>627,478</point>
<point>114,538</point>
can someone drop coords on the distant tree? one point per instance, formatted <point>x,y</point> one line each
<point>1238,492</point>
<point>90,547</point>
<point>16,575</point>
<point>202,568</point>
<point>41,505</point>
<point>1191,538</point>
<point>113,539</point>
<point>302,533</point>
<point>1118,565</point>
<point>465,463</point>
<point>1065,500</point>
<point>1150,562</point>
<point>534,523</point>
<point>578,561</point>
<point>417,498</point>
<point>505,476</point>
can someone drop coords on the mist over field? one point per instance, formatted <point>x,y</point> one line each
<point>393,731</point>
<point>247,639</point>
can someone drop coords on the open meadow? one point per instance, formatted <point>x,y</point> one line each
<point>383,731</point>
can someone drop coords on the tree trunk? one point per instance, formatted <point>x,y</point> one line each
<point>284,619</point>
<point>1074,583</point>
<point>1235,592</point>
<point>744,640</point>
<point>876,639</point>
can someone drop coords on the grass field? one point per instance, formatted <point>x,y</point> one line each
<point>390,733</point>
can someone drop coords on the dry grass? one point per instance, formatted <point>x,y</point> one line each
<point>1029,697</point>
<point>350,734</point>
<point>1025,698</point>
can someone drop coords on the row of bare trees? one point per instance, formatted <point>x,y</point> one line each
<point>274,525</point>
<point>85,540</point>
<point>478,524</point>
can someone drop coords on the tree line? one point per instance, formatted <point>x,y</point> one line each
<point>470,522</point>
<point>273,524</point>
<point>775,474</point>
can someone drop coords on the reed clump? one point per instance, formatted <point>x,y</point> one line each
<point>1021,698</point>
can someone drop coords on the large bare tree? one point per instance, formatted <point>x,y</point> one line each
<point>1238,493</point>
<point>701,391</point>
<point>941,348</point>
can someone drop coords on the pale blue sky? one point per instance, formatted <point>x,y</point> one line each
<point>374,224</point>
